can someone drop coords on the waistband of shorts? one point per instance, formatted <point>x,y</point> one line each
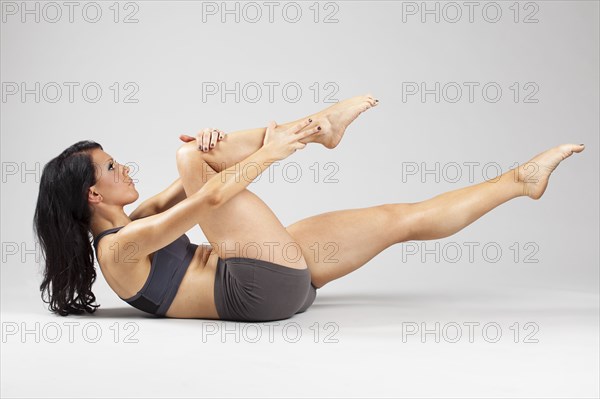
<point>267,265</point>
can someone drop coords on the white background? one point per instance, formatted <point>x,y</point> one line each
<point>177,48</point>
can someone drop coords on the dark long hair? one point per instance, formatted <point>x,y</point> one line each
<point>62,224</point>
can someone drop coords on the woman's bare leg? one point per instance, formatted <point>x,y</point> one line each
<point>339,242</point>
<point>238,145</point>
<point>245,226</point>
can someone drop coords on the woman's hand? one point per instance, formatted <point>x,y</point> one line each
<point>206,139</point>
<point>281,142</point>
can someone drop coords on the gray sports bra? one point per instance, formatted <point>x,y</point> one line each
<point>168,267</point>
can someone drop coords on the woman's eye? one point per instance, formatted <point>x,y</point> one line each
<point>111,165</point>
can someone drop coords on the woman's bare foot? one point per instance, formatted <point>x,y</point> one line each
<point>335,119</point>
<point>535,174</point>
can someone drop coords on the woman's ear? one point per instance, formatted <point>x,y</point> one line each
<point>93,196</point>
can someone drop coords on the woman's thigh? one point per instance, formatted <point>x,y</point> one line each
<point>244,226</point>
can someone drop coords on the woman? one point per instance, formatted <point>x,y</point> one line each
<point>149,262</point>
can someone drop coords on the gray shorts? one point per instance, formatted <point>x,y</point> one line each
<point>248,289</point>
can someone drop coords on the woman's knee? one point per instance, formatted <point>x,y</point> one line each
<point>403,219</point>
<point>188,155</point>
<point>186,150</point>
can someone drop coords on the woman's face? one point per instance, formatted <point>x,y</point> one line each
<point>112,181</point>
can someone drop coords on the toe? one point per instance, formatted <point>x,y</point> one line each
<point>568,149</point>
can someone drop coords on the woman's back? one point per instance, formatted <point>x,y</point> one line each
<point>158,275</point>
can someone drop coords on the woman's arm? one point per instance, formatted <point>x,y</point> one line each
<point>278,144</point>
<point>229,182</point>
<point>235,178</point>
<point>172,195</point>
<point>161,201</point>
<point>157,231</point>
<point>175,193</point>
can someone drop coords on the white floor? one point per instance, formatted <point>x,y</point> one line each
<point>348,344</point>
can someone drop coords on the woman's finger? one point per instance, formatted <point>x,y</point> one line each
<point>214,135</point>
<point>300,125</point>
<point>206,139</point>
<point>220,135</point>
<point>309,132</point>
<point>200,139</point>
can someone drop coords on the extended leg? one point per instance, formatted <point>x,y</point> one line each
<point>353,237</point>
<point>337,243</point>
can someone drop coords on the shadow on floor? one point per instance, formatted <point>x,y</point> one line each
<point>124,312</point>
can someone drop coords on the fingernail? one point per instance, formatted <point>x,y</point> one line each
<point>376,100</point>
<point>319,128</point>
<point>205,148</point>
<point>581,144</point>
<point>310,120</point>
<point>212,145</point>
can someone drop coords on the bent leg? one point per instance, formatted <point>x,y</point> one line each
<point>242,227</point>
<point>236,225</point>
<point>240,144</point>
<point>333,121</point>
